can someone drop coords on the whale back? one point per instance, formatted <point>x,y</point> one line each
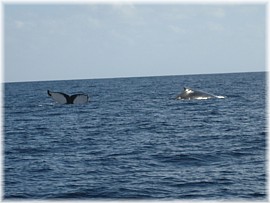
<point>189,93</point>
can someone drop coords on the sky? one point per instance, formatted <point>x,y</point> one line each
<point>108,40</point>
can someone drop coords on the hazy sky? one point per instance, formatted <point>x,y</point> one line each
<point>84,41</point>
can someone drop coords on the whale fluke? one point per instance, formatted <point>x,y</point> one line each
<point>63,98</point>
<point>189,93</point>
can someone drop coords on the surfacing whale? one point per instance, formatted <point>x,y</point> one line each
<point>189,93</point>
<point>63,98</point>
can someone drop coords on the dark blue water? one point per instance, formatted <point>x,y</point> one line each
<point>133,140</point>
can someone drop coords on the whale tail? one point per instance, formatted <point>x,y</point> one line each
<point>79,98</point>
<point>63,98</point>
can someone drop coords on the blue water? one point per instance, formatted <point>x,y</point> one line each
<point>133,140</point>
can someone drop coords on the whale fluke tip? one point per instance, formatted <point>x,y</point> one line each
<point>49,93</point>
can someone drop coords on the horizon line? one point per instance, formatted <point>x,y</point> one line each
<point>119,77</point>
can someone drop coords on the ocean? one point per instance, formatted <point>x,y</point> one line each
<point>134,140</point>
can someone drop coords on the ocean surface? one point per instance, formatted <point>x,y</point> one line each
<point>134,140</point>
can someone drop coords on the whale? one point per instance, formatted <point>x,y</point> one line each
<point>63,98</point>
<point>188,94</point>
